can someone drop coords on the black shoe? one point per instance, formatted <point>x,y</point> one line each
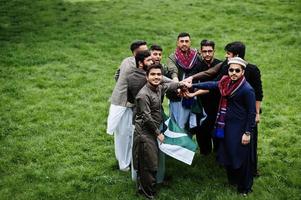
<point>245,193</point>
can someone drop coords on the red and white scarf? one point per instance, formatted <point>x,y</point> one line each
<point>186,61</point>
<point>227,89</point>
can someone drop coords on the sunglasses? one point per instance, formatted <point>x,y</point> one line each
<point>236,70</point>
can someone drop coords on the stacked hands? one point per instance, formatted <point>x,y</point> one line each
<point>187,91</point>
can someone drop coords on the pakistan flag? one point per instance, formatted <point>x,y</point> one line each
<point>177,142</point>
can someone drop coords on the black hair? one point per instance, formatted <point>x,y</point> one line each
<point>237,48</point>
<point>135,45</point>
<point>140,56</point>
<point>183,34</point>
<point>153,66</point>
<point>207,43</point>
<point>156,47</point>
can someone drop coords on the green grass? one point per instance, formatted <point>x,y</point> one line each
<point>57,62</point>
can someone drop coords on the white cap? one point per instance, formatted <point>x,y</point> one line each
<point>237,60</point>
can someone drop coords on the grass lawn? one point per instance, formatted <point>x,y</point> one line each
<point>57,63</point>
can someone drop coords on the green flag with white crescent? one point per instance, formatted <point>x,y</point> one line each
<point>177,143</point>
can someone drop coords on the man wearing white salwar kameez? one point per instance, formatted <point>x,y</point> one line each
<point>120,116</point>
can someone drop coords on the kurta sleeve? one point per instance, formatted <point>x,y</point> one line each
<point>166,80</point>
<point>143,104</point>
<point>171,67</point>
<point>251,110</point>
<point>209,85</point>
<point>211,72</point>
<point>170,86</point>
<point>116,76</point>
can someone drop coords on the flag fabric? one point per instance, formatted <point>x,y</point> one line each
<point>177,143</point>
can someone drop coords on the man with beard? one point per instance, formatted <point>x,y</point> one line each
<point>235,123</point>
<point>209,101</point>
<point>252,75</point>
<point>120,116</point>
<point>181,64</point>
<point>147,129</point>
<point>136,80</point>
<point>156,53</point>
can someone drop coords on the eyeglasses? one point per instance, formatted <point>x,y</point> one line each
<point>232,70</point>
<point>207,51</point>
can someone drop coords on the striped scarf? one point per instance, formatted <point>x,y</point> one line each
<point>227,90</point>
<point>186,61</point>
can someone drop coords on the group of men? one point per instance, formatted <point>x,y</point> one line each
<point>223,113</point>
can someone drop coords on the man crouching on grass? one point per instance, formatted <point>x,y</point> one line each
<point>147,129</point>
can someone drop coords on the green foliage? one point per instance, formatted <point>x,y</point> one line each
<point>58,60</point>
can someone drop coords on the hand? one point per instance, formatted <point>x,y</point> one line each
<point>245,139</point>
<point>257,118</point>
<point>188,80</point>
<point>182,91</point>
<point>196,93</point>
<point>187,94</point>
<point>185,84</point>
<point>179,93</point>
<point>175,79</point>
<point>161,138</point>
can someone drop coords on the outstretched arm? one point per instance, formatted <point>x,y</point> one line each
<point>204,75</point>
<point>187,94</point>
<point>208,85</point>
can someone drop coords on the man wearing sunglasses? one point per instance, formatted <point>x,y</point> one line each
<point>235,124</point>
<point>252,75</point>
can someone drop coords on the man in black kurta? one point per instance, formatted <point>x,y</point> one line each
<point>147,129</point>
<point>209,101</point>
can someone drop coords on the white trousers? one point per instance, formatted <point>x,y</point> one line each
<point>119,123</point>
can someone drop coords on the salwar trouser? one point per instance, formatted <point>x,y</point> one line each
<point>242,177</point>
<point>146,177</point>
<point>254,150</point>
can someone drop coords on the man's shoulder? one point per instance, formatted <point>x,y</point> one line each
<point>142,92</point>
<point>136,77</point>
<point>129,59</point>
<point>252,68</point>
<point>172,56</point>
<point>247,87</point>
<point>137,72</point>
<point>216,61</point>
<point>128,62</point>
